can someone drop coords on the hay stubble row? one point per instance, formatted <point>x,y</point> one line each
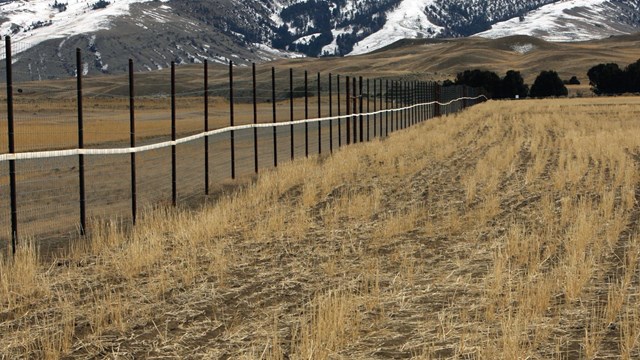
<point>507,231</point>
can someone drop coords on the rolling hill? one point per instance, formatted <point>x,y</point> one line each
<point>411,59</point>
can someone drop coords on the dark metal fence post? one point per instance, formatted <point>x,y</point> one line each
<point>464,95</point>
<point>391,100</point>
<point>414,108</point>
<point>174,172</point>
<point>420,101</point>
<point>423,90</point>
<point>414,86</point>
<point>275,118</point>
<point>83,209</point>
<point>437,99</point>
<point>405,103</point>
<point>355,110</point>
<point>375,105</point>
<point>306,114</point>
<point>361,119</point>
<point>380,107</point>
<point>231,122</point>
<point>339,112</point>
<point>348,122</point>
<point>397,103</point>
<point>410,103</point>
<point>409,97</point>
<point>255,118</point>
<point>319,116</point>
<point>416,101</point>
<point>368,102</point>
<point>418,97</point>
<point>291,112</point>
<point>12,147</point>
<point>206,127</point>
<point>386,106</point>
<point>330,116</point>
<point>404,100</point>
<point>132,144</point>
<point>430,108</point>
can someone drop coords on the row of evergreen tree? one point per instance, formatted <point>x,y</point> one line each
<point>609,79</point>
<point>512,85</point>
<point>605,79</point>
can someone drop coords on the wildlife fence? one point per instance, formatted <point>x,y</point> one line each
<point>107,147</point>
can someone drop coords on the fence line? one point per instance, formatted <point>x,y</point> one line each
<point>396,105</point>
<point>136,149</point>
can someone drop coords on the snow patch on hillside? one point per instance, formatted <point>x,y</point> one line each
<point>408,20</point>
<point>573,20</point>
<point>31,22</point>
<point>523,48</point>
<point>270,53</point>
<point>305,40</point>
<point>332,48</point>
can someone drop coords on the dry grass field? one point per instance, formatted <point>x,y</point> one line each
<point>507,231</point>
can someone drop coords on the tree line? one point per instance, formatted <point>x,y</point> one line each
<point>512,85</point>
<point>605,79</point>
<point>610,79</point>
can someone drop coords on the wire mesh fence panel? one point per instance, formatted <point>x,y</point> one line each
<point>47,197</point>
<point>190,171</point>
<point>265,148</point>
<point>153,177</point>
<point>46,190</point>
<point>108,187</point>
<point>244,155</point>
<point>283,134</point>
<point>107,124</point>
<point>150,109</point>
<point>299,141</point>
<point>219,158</point>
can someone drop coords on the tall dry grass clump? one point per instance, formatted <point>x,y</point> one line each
<point>19,276</point>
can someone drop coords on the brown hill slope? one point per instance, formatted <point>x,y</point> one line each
<point>441,59</point>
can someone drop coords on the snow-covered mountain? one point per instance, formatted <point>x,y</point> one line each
<point>552,20</point>
<point>574,20</point>
<point>35,21</point>
<point>155,32</point>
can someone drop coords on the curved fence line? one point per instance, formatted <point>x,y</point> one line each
<point>130,150</point>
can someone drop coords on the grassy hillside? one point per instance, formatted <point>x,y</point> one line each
<point>510,230</point>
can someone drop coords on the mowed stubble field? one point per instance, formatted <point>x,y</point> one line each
<point>507,231</point>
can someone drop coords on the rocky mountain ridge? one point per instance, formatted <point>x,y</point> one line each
<point>154,33</point>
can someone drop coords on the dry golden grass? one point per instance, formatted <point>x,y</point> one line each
<point>508,231</point>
